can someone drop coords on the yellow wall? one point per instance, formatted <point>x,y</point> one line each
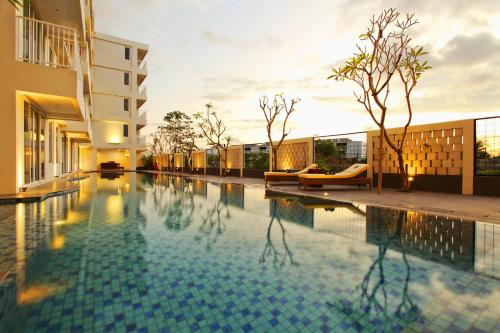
<point>199,159</point>
<point>234,158</point>
<point>113,155</point>
<point>88,159</point>
<point>445,148</point>
<point>19,79</point>
<point>179,160</point>
<point>109,132</point>
<point>294,154</point>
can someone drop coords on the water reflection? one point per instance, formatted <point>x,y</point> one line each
<point>367,264</point>
<point>279,256</point>
<point>213,224</point>
<point>373,302</point>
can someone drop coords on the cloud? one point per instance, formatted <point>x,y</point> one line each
<point>470,50</point>
<point>219,38</point>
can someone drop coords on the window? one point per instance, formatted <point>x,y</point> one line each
<point>34,141</point>
<point>487,148</point>
<point>125,104</point>
<point>42,147</point>
<point>127,53</point>
<point>126,78</point>
<point>51,142</point>
<point>58,143</point>
<point>125,131</point>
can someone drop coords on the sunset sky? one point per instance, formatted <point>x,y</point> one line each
<point>231,52</point>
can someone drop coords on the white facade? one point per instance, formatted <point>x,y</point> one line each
<point>118,75</point>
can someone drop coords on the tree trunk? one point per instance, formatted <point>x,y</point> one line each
<point>380,156</point>
<point>405,184</point>
<point>224,171</point>
<point>274,159</point>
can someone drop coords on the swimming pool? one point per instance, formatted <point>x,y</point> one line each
<point>152,253</point>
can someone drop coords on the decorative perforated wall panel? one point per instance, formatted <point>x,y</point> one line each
<point>433,152</point>
<point>199,159</point>
<point>234,159</point>
<point>178,160</point>
<point>293,155</point>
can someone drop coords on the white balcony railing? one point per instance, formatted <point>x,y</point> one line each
<point>46,43</point>
<point>141,140</point>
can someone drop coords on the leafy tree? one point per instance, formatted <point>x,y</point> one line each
<point>324,151</point>
<point>481,150</point>
<point>177,135</point>
<point>257,160</point>
<point>272,110</point>
<point>385,54</point>
<point>148,161</point>
<point>214,130</point>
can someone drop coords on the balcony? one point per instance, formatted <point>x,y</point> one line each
<point>141,143</point>
<point>142,72</point>
<point>142,97</point>
<point>52,67</point>
<point>141,119</point>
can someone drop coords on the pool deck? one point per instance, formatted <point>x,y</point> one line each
<point>60,186</point>
<point>477,208</point>
<point>470,207</point>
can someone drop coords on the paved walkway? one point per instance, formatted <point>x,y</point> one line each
<point>478,208</point>
<point>41,192</point>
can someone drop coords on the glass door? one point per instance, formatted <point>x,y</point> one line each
<point>34,142</point>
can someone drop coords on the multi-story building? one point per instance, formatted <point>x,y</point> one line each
<point>118,94</point>
<point>64,94</point>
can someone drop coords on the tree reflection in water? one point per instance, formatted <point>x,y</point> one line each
<point>279,259</point>
<point>181,208</point>
<point>374,300</point>
<point>212,225</point>
<point>173,200</point>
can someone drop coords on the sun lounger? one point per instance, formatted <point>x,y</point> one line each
<point>354,175</point>
<point>286,176</point>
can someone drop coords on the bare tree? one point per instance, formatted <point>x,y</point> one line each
<point>374,300</point>
<point>272,109</point>
<point>279,258</point>
<point>386,51</point>
<point>214,130</point>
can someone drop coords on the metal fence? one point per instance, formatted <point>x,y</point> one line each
<point>334,153</point>
<point>487,147</point>
<point>256,156</point>
<point>213,158</point>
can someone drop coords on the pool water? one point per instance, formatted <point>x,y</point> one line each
<point>152,253</point>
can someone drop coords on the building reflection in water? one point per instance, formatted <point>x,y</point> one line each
<point>33,237</point>
<point>276,251</point>
<point>377,299</point>
<point>233,195</point>
<point>41,252</point>
<point>462,244</point>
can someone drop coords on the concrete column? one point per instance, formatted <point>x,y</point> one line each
<point>468,157</point>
